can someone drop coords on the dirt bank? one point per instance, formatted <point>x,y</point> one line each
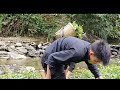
<point>23,39</point>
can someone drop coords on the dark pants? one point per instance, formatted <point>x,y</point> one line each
<point>57,72</point>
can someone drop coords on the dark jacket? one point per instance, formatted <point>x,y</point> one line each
<point>69,49</point>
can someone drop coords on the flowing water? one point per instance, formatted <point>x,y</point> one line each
<point>34,62</point>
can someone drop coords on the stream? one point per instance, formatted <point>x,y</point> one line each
<point>33,62</point>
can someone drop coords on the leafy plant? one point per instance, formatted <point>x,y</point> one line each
<point>78,30</point>
<point>111,71</point>
<point>33,25</point>
<point>21,75</point>
<point>104,26</point>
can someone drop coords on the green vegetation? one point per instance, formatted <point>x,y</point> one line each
<point>105,26</point>
<point>108,72</point>
<point>22,75</point>
<point>33,25</point>
<point>79,30</point>
<point>111,71</point>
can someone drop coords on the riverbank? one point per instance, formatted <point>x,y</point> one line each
<point>20,71</point>
<point>34,63</point>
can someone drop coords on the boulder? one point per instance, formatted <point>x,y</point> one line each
<point>4,54</point>
<point>31,51</point>
<point>14,55</point>
<point>18,45</point>
<point>21,50</point>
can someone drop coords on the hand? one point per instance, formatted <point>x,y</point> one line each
<point>47,78</point>
<point>68,74</point>
<point>67,77</point>
<point>100,77</point>
<point>48,74</point>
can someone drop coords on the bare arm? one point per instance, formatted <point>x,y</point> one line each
<point>48,74</point>
<point>69,69</point>
<point>68,74</point>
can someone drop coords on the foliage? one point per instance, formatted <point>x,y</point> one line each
<point>111,71</point>
<point>33,25</point>
<point>25,75</point>
<point>108,72</point>
<point>21,74</point>
<point>79,30</point>
<point>103,25</point>
<point>81,74</point>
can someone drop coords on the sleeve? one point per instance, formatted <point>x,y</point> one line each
<point>93,68</point>
<point>60,57</point>
<point>65,66</point>
<point>70,66</point>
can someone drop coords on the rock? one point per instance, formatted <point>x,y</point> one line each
<point>114,53</point>
<point>18,45</point>
<point>14,55</point>
<point>4,54</point>
<point>3,48</point>
<point>40,55</point>
<point>31,51</point>
<point>45,47</point>
<point>42,51</point>
<point>13,47</point>
<point>2,43</point>
<point>33,43</point>
<point>2,72</point>
<point>40,46</point>
<point>21,50</point>
<point>47,43</point>
<point>29,68</point>
<point>37,53</point>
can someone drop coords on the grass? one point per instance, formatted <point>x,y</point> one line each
<point>108,72</point>
<point>111,71</point>
<point>22,75</point>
